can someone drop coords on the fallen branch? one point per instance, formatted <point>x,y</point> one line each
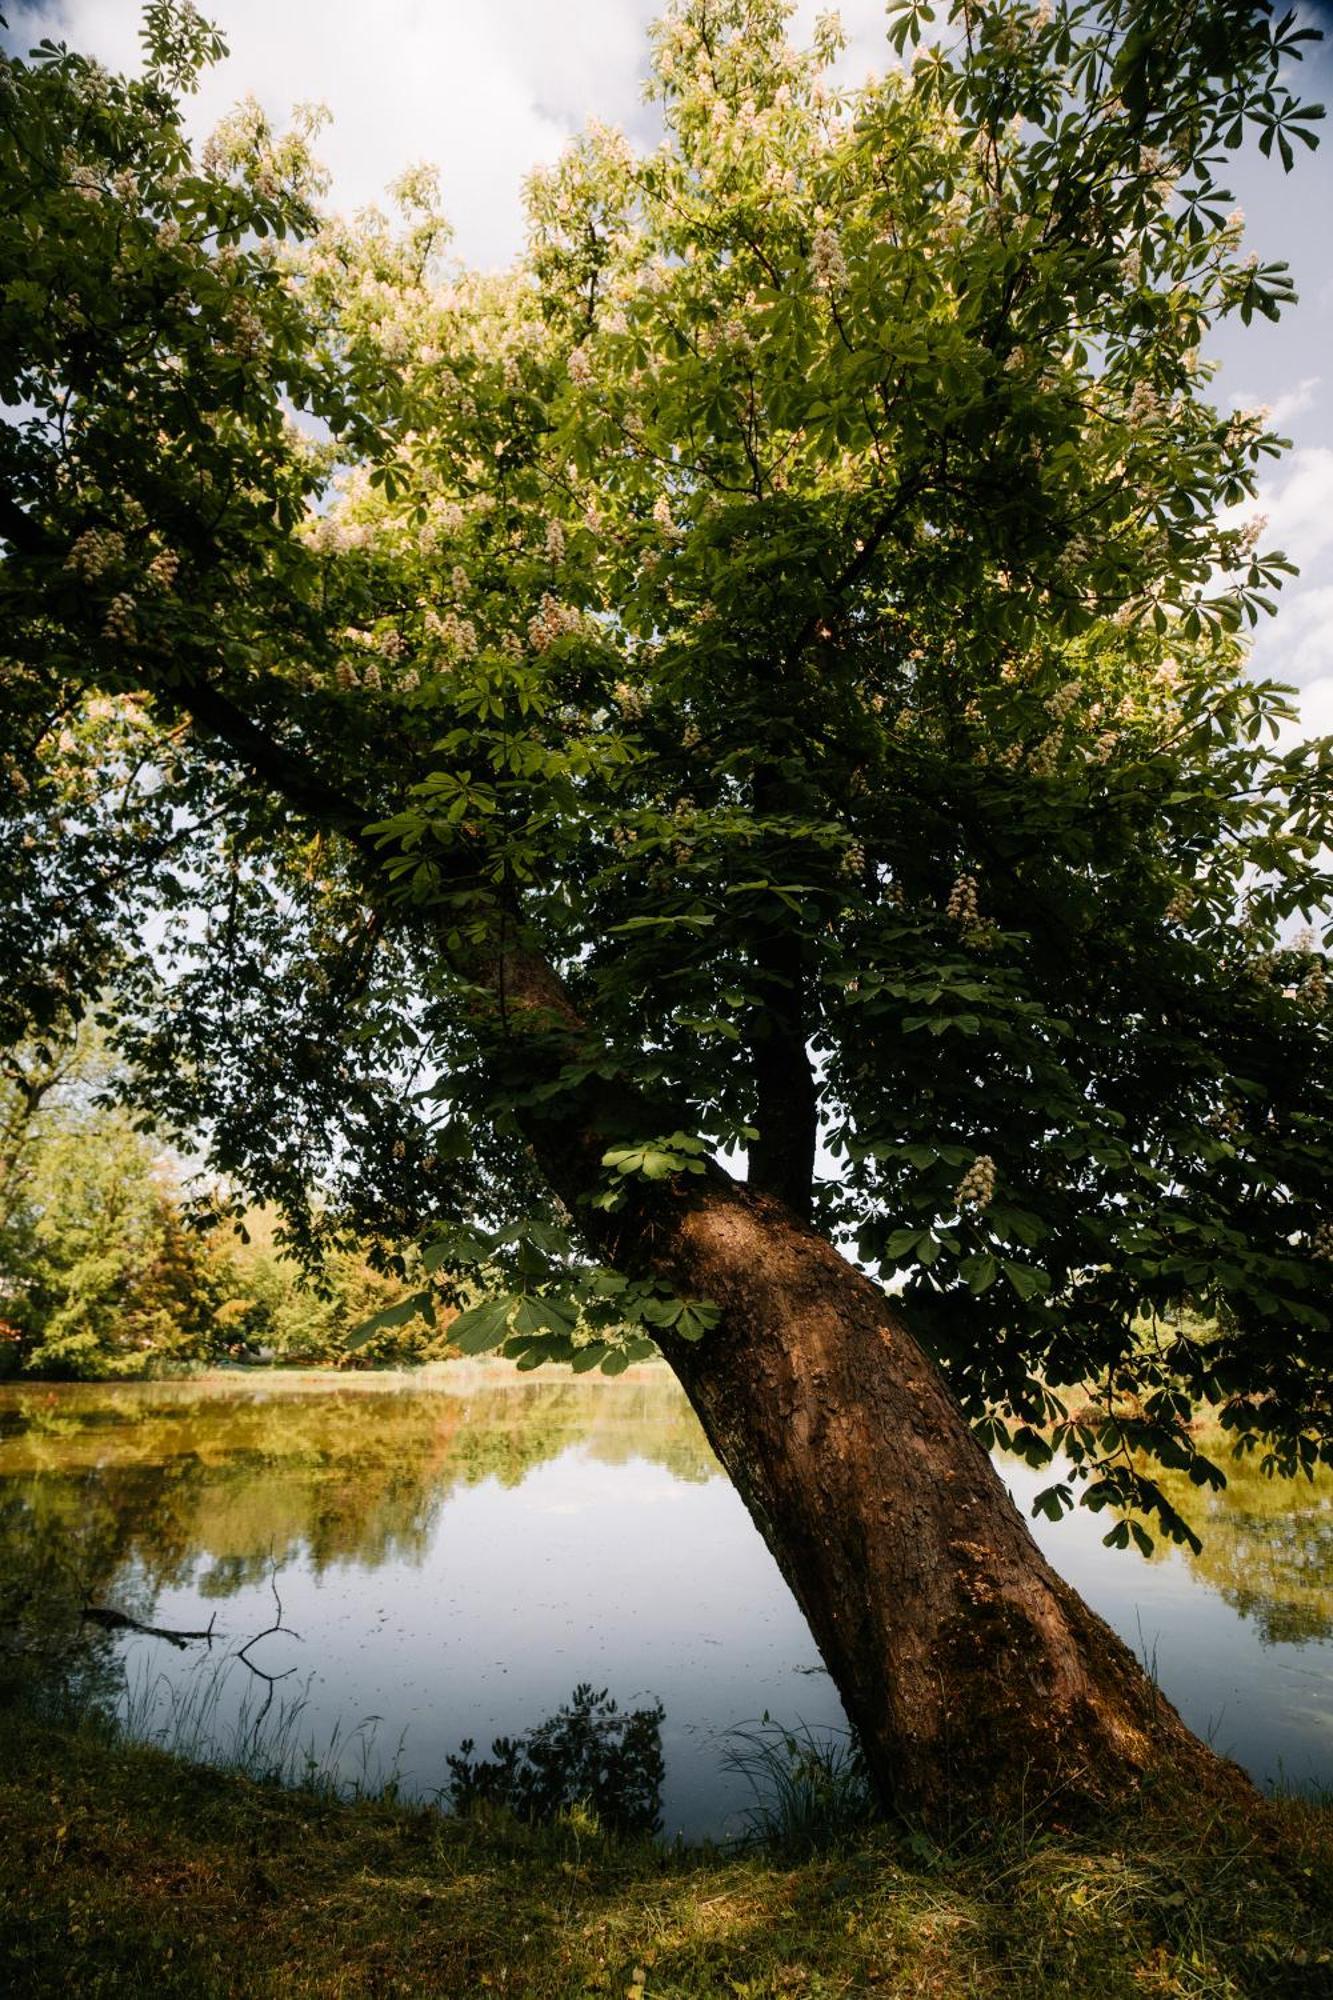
<point>112,1620</point>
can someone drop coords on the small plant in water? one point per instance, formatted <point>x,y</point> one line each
<point>588,1756</point>
<point>810,1789</point>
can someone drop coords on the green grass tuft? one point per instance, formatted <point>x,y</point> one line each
<point>810,1791</point>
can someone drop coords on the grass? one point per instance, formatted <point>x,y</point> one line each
<point>260,1736</point>
<point>809,1790</point>
<point>126,1871</point>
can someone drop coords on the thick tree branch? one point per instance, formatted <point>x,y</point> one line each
<point>284,770</point>
<point>782,1159</point>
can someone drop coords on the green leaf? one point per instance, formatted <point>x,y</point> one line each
<point>538,1313</point>
<point>482,1327</point>
<point>903,1240</point>
<point>1027,1282</point>
<point>979,1272</point>
<point>460,1247</point>
<point>697,1319</point>
<point>380,1322</point>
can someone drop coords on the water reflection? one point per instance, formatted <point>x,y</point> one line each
<point>1267,1546</point>
<point>242,1473</point>
<point>458,1549</point>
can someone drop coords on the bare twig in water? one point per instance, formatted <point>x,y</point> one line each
<point>112,1620</point>
<point>243,1654</point>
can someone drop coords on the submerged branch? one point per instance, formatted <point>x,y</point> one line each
<point>112,1620</point>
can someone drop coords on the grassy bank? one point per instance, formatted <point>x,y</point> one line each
<point>125,1872</point>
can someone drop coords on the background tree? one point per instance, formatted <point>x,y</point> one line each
<point>769,668</point>
<point>104,1271</point>
<point>98,1274</point>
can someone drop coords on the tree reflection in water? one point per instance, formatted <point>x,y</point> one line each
<point>1267,1545</point>
<point>116,1493</point>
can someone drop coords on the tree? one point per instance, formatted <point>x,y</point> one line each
<point>103,1274</point>
<point>98,1274</point>
<point>767,669</point>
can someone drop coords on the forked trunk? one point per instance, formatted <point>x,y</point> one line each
<point>979,1683</point>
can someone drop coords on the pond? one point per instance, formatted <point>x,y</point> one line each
<point>458,1549</point>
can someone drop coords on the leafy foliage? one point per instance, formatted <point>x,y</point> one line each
<point>101,1272</point>
<point>791,625</point>
<point>809,1788</point>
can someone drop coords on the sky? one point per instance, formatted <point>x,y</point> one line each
<point>487,89</point>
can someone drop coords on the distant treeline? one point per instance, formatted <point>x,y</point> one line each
<point>102,1273</point>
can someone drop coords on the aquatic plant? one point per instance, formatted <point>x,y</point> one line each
<point>589,1754</point>
<point>260,1737</point>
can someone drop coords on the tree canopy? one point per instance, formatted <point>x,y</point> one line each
<point>775,658</point>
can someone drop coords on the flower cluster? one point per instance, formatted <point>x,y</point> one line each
<point>580,367</point>
<point>1060,705</point>
<point>1043,759</point>
<point>1144,404</point>
<point>1313,989</point>
<point>95,551</point>
<point>977,1187</point>
<point>551,621</point>
<point>162,569</point>
<point>247,329</point>
<point>119,620</point>
<point>457,635</point>
<point>827,263</point>
<point>85,182</point>
<point>1322,1243</point>
<point>447,518</point>
<point>1246,427</point>
<point>961,907</point>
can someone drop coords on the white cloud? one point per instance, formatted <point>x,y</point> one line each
<point>1298,646</point>
<point>485,92</point>
<point>1295,402</point>
<point>1317,709</point>
<point>1298,501</point>
<point>1292,403</point>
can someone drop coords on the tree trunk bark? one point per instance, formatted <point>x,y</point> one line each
<point>979,1683</point>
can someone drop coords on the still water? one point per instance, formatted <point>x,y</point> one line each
<point>457,1549</point>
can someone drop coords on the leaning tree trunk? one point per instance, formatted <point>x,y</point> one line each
<point>979,1682</point>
